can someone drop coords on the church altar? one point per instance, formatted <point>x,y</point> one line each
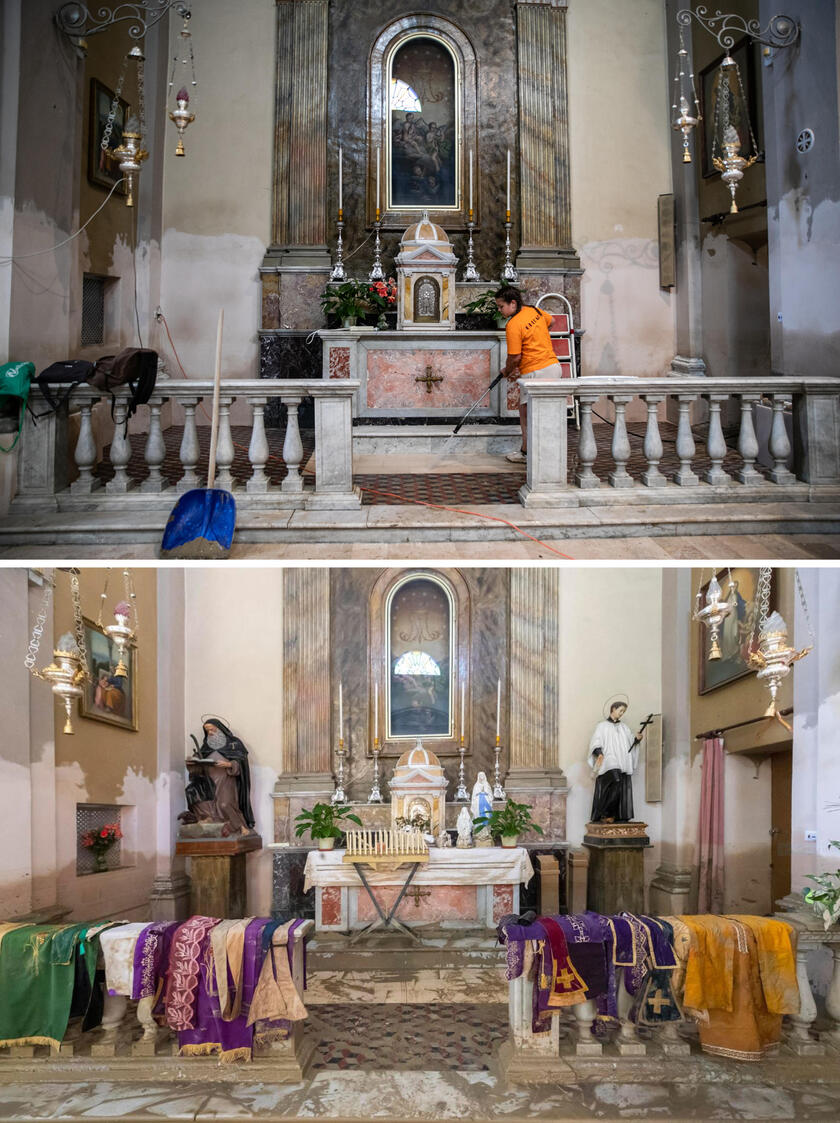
<point>470,888</point>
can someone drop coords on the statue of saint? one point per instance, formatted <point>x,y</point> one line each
<point>464,829</point>
<point>481,804</point>
<point>613,755</point>
<point>219,789</point>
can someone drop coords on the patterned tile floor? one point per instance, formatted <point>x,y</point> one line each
<point>407,1037</point>
<point>451,489</point>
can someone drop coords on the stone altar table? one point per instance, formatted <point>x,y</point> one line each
<point>455,888</point>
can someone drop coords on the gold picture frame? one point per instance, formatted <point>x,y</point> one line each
<point>109,698</point>
<point>103,168</point>
<point>737,632</point>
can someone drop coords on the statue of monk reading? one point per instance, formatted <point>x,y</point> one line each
<point>219,789</point>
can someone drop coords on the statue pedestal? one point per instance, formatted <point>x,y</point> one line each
<point>217,874</point>
<point>616,880</point>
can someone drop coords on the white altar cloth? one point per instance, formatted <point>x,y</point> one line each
<point>487,865</point>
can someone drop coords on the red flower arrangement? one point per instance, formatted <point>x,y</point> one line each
<point>386,291</point>
<point>100,842</point>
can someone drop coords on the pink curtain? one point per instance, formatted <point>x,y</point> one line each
<point>710,895</point>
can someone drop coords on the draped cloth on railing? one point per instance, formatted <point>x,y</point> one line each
<point>710,837</point>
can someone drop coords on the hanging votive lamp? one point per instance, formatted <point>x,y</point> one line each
<point>774,656</point>
<point>122,635</point>
<point>685,109</point>
<point>183,114</point>
<point>712,614</point>
<point>66,674</point>
<point>731,110</point>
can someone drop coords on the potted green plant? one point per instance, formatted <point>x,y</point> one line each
<point>322,823</point>
<point>482,314</point>
<point>508,823</point>
<point>357,300</point>
<point>825,900</point>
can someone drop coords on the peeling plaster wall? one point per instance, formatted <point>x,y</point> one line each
<point>15,777</point>
<point>101,763</point>
<point>620,162</point>
<point>611,629</point>
<point>234,664</point>
<point>736,339</point>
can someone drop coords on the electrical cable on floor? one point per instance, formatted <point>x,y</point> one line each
<point>375,491</point>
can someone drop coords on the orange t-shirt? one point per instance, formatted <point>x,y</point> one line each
<point>527,335</point>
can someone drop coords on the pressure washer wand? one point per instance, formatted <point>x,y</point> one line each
<point>477,401</point>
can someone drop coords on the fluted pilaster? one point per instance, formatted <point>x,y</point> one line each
<point>534,667</point>
<point>306,671</point>
<point>544,191</point>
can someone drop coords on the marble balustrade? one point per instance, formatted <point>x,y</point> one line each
<point>800,461</point>
<point>48,448</point>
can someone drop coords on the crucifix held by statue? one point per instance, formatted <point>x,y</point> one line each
<point>613,756</point>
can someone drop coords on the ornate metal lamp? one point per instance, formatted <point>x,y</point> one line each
<point>775,655</point>
<point>122,633</point>
<point>727,143</point>
<point>183,114</point>
<point>69,669</point>
<point>131,153</point>
<point>685,110</point>
<point>714,611</point>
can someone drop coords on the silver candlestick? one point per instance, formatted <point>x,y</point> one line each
<point>375,794</point>
<point>377,273</point>
<point>509,274</point>
<point>338,272</point>
<point>462,795</point>
<point>498,790</point>
<point>470,272</point>
<point>339,795</point>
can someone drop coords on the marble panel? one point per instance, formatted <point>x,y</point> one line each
<point>288,897</point>
<point>330,905</point>
<point>433,903</point>
<point>393,377</point>
<point>502,901</point>
<point>339,362</point>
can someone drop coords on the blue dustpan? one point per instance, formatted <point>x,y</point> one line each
<point>201,525</point>
<point>202,521</point>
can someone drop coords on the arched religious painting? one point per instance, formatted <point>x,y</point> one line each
<point>423,119</point>
<point>420,659</point>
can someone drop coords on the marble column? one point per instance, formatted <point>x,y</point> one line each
<point>544,192</point>
<point>297,263</point>
<point>534,776</point>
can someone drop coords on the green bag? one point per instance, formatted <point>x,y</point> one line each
<point>15,379</point>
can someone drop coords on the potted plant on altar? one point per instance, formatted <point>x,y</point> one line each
<point>100,842</point>
<point>322,823</point>
<point>481,314</point>
<point>352,301</point>
<point>509,823</point>
<point>825,900</point>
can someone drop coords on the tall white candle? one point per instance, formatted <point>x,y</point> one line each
<point>471,162</point>
<point>340,710</point>
<point>340,179</point>
<point>376,711</point>
<point>377,179</point>
<point>462,711</point>
<point>508,179</point>
<point>498,705</point>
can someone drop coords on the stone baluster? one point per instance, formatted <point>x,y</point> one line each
<point>524,1054</point>
<point>832,1001</point>
<point>292,448</point>
<point>685,476</point>
<point>334,450</point>
<point>652,477</point>
<point>155,451</point>
<point>147,1044</point>
<point>85,454</point>
<point>587,1044</point>
<point>120,452</point>
<point>716,443</point>
<point>105,1044</point>
<point>780,444</point>
<point>747,442</point>
<point>224,447</point>
<point>587,449</point>
<point>673,1045</point>
<point>190,452</point>
<point>258,449</point>
<point>619,476</point>
<point>799,1039</point>
<point>546,472</point>
<point>627,1043</point>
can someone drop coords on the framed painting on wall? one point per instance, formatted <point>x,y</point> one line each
<point>738,632</point>
<point>110,697</point>
<point>103,169</point>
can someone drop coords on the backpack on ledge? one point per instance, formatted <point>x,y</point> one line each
<point>67,374</point>
<point>15,381</point>
<point>135,367</point>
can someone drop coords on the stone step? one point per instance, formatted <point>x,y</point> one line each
<point>369,440</point>
<point>461,985</point>
<point>439,951</point>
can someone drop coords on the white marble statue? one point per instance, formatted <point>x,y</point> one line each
<point>481,804</point>
<point>464,828</point>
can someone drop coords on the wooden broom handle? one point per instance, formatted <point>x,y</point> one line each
<point>214,422</point>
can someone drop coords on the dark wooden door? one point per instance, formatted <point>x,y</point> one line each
<point>780,840</point>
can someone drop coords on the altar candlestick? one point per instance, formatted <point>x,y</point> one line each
<point>377,185</point>
<point>508,181</point>
<point>498,706</point>
<point>462,711</point>
<point>340,712</point>
<point>376,711</point>
<point>471,181</point>
<point>340,181</point>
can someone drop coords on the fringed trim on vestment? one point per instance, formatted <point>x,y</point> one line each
<point>51,1041</point>
<point>233,1055</point>
<point>736,1054</point>
<point>206,1049</point>
<point>265,1037</point>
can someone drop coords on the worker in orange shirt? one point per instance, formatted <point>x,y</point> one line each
<point>529,350</point>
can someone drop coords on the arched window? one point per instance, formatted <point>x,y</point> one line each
<point>422,120</point>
